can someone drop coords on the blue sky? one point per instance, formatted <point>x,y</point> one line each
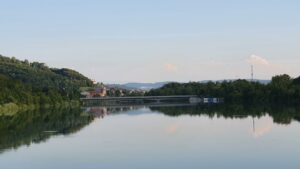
<point>149,41</point>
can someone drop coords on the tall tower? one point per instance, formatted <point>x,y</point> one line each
<point>252,79</point>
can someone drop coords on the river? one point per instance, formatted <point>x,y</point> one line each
<point>155,137</point>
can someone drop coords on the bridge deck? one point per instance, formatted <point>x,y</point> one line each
<point>140,97</point>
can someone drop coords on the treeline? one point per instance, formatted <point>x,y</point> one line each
<point>282,89</point>
<point>24,82</point>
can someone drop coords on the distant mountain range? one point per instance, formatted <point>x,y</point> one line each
<point>149,86</point>
<point>141,86</point>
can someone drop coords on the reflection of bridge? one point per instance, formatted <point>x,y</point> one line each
<point>101,111</point>
<point>138,106</point>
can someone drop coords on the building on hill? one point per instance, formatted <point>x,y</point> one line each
<point>100,92</point>
<point>97,92</point>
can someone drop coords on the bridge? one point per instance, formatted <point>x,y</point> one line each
<point>149,99</point>
<point>136,99</point>
<point>141,97</point>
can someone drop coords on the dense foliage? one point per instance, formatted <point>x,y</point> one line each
<point>282,89</point>
<point>22,82</point>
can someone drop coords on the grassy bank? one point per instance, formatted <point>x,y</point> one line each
<point>10,109</point>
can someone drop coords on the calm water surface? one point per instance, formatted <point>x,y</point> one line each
<point>151,137</point>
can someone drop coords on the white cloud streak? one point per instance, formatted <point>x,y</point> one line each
<point>258,60</point>
<point>170,67</point>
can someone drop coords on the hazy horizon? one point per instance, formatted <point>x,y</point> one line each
<point>138,41</point>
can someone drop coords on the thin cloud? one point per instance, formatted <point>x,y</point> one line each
<point>264,65</point>
<point>171,67</point>
<point>258,60</point>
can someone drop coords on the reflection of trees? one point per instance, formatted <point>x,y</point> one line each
<point>285,115</point>
<point>25,128</point>
<point>280,114</point>
<point>29,127</point>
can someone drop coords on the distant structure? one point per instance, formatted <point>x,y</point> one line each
<point>94,82</point>
<point>253,123</point>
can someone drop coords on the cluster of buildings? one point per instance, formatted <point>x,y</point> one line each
<point>102,91</point>
<point>96,92</point>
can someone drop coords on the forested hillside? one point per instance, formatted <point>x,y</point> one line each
<point>24,82</point>
<point>282,89</point>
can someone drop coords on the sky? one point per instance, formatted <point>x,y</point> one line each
<point>119,41</point>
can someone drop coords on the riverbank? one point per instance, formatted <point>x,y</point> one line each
<point>10,109</point>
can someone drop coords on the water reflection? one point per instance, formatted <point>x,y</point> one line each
<point>156,136</point>
<point>25,128</point>
<point>279,114</point>
<point>38,126</point>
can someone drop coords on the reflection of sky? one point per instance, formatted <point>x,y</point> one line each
<point>262,126</point>
<point>152,140</point>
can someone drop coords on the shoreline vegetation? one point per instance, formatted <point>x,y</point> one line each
<point>28,85</point>
<point>281,90</point>
<point>10,109</point>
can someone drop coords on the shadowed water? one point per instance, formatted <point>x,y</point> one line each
<point>161,136</point>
